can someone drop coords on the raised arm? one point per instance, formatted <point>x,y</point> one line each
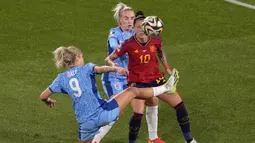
<point>118,52</point>
<point>162,58</point>
<point>104,69</point>
<point>110,58</point>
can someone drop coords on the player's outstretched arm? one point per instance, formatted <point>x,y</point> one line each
<point>110,58</point>
<point>162,58</point>
<point>104,69</point>
<point>45,97</point>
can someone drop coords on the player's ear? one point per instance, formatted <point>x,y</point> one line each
<point>78,57</point>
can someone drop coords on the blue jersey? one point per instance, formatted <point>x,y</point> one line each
<point>116,37</point>
<point>80,84</point>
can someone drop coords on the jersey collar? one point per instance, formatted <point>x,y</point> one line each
<point>140,43</point>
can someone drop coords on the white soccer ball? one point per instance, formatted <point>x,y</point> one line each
<point>152,26</point>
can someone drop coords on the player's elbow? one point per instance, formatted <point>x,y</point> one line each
<point>107,60</point>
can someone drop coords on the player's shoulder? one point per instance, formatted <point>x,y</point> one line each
<point>115,31</point>
<point>89,65</point>
<point>60,76</point>
<point>128,41</point>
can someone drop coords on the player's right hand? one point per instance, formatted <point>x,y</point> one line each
<point>122,71</point>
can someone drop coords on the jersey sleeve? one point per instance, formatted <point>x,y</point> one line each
<point>90,68</point>
<point>158,42</point>
<point>122,49</point>
<point>55,85</point>
<point>113,39</point>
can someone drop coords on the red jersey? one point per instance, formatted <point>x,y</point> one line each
<point>142,60</point>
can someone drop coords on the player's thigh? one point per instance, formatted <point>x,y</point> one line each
<point>149,102</point>
<point>88,130</point>
<point>138,105</point>
<point>172,99</point>
<point>114,87</point>
<point>124,98</point>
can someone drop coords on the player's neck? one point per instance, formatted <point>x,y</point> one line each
<point>143,39</point>
<point>124,29</point>
<point>75,65</point>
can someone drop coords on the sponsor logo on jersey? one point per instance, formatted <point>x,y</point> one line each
<point>136,51</point>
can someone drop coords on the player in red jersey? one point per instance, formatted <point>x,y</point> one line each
<point>144,72</point>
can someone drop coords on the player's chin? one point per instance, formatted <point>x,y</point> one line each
<point>129,27</point>
<point>142,34</point>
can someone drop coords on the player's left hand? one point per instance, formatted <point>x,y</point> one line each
<point>122,71</point>
<point>169,72</point>
<point>50,102</point>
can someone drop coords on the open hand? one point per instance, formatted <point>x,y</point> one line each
<point>122,71</point>
<point>50,102</point>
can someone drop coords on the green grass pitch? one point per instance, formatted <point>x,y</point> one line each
<point>210,42</point>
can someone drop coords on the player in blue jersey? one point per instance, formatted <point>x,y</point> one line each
<point>114,83</point>
<point>79,82</point>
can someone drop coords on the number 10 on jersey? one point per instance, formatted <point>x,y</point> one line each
<point>145,58</point>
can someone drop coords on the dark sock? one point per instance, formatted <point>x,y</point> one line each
<point>183,120</point>
<point>134,126</point>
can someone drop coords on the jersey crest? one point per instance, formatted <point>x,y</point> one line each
<point>111,33</point>
<point>152,48</point>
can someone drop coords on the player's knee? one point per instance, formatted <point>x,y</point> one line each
<point>152,101</point>
<point>133,90</point>
<point>138,108</point>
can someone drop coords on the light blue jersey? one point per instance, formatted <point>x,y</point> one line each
<point>114,83</point>
<point>116,37</point>
<point>90,109</point>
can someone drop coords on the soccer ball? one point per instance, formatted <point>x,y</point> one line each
<point>152,26</point>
